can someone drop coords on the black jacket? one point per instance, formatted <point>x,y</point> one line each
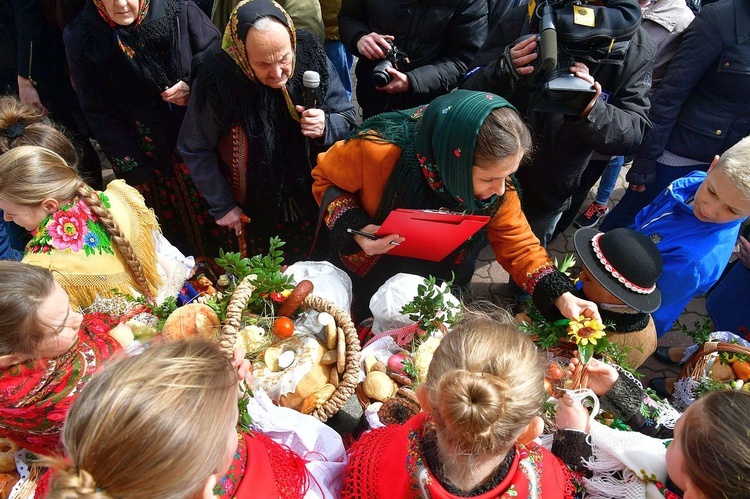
<point>440,37</point>
<point>702,106</point>
<point>563,145</point>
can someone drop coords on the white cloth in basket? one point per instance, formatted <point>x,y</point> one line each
<point>318,443</point>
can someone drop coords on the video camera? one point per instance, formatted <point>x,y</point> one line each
<point>571,30</point>
<point>394,58</point>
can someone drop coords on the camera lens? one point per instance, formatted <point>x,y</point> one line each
<point>380,75</point>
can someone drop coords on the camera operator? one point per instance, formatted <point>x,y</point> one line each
<point>428,46</point>
<point>611,120</point>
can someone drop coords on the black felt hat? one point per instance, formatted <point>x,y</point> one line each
<point>625,262</point>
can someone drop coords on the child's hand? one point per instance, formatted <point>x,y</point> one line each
<point>244,372</point>
<point>572,307</point>
<point>743,251</point>
<point>602,377</point>
<point>571,415</point>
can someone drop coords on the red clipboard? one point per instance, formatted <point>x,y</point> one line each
<point>430,234</point>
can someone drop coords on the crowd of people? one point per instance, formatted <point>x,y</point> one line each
<point>227,123</point>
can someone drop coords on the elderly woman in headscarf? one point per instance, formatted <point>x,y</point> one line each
<point>250,104</point>
<point>460,152</point>
<point>131,63</point>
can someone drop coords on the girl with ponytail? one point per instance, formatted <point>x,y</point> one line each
<point>96,243</point>
<point>481,402</point>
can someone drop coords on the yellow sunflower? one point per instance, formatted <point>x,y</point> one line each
<point>585,331</point>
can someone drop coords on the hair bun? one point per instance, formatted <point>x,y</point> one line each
<point>470,404</point>
<point>14,131</point>
<point>73,482</point>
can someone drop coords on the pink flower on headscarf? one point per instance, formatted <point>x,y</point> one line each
<point>67,230</point>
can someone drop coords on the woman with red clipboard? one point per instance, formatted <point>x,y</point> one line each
<point>460,153</point>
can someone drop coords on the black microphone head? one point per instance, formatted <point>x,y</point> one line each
<point>311,79</point>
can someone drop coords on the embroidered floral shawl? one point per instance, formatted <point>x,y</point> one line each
<point>73,243</point>
<point>37,394</point>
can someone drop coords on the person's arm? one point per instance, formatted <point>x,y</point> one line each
<point>196,143</point>
<point>7,252</point>
<point>353,24</point>
<point>491,70</point>
<point>700,46</point>
<point>339,112</point>
<point>518,251</point>
<point>617,127</point>
<point>461,41</point>
<point>203,34</point>
<point>107,124</point>
<point>29,23</point>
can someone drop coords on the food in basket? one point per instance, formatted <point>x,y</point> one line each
<point>295,298</point>
<point>379,386</point>
<point>397,361</point>
<point>252,338</point>
<point>291,385</point>
<point>283,327</point>
<point>194,319</point>
<point>741,369</point>
<point>7,481</point>
<point>7,459</point>
<point>401,407</point>
<point>317,398</point>
<point>721,372</point>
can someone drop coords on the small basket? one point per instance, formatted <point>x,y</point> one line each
<point>348,380</point>
<point>695,366</point>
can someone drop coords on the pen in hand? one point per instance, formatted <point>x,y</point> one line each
<point>368,235</point>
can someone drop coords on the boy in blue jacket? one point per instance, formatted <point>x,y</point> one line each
<point>695,223</point>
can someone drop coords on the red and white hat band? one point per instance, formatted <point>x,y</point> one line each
<point>609,268</point>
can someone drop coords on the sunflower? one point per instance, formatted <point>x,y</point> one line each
<point>585,331</point>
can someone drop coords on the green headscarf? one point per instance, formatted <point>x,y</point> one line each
<point>438,143</point>
<point>447,137</point>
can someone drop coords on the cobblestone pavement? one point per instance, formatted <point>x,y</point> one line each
<point>491,281</point>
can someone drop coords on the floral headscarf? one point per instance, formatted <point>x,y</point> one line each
<point>142,12</point>
<point>244,15</point>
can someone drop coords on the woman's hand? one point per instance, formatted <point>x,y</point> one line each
<point>178,94</point>
<point>571,415</point>
<point>601,376</point>
<point>374,46</point>
<point>573,307</point>
<point>582,71</point>
<point>232,220</point>
<point>27,93</point>
<point>312,121</point>
<point>378,246</point>
<point>522,54</point>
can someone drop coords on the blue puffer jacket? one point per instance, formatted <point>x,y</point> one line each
<point>702,106</point>
<point>695,253</point>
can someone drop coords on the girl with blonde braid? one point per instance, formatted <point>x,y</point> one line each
<point>96,243</point>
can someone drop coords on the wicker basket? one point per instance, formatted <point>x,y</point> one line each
<point>695,366</point>
<point>348,380</point>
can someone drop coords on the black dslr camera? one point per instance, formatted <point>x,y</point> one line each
<point>394,58</point>
<point>570,30</point>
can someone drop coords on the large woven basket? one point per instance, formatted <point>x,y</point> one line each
<point>348,380</point>
<point>695,366</point>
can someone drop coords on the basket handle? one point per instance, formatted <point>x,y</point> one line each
<point>233,318</point>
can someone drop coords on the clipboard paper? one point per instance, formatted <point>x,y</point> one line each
<point>430,234</point>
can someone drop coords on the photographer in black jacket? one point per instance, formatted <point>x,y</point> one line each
<point>612,122</point>
<point>439,37</point>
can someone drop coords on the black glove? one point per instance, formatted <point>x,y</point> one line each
<point>642,172</point>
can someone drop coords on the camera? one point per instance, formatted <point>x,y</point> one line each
<point>569,31</point>
<point>394,58</point>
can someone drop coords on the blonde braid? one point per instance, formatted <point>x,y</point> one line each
<point>74,483</point>
<point>90,197</point>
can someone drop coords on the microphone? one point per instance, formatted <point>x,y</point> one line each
<point>311,82</point>
<point>548,40</point>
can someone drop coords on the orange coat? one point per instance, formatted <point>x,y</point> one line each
<point>362,167</point>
